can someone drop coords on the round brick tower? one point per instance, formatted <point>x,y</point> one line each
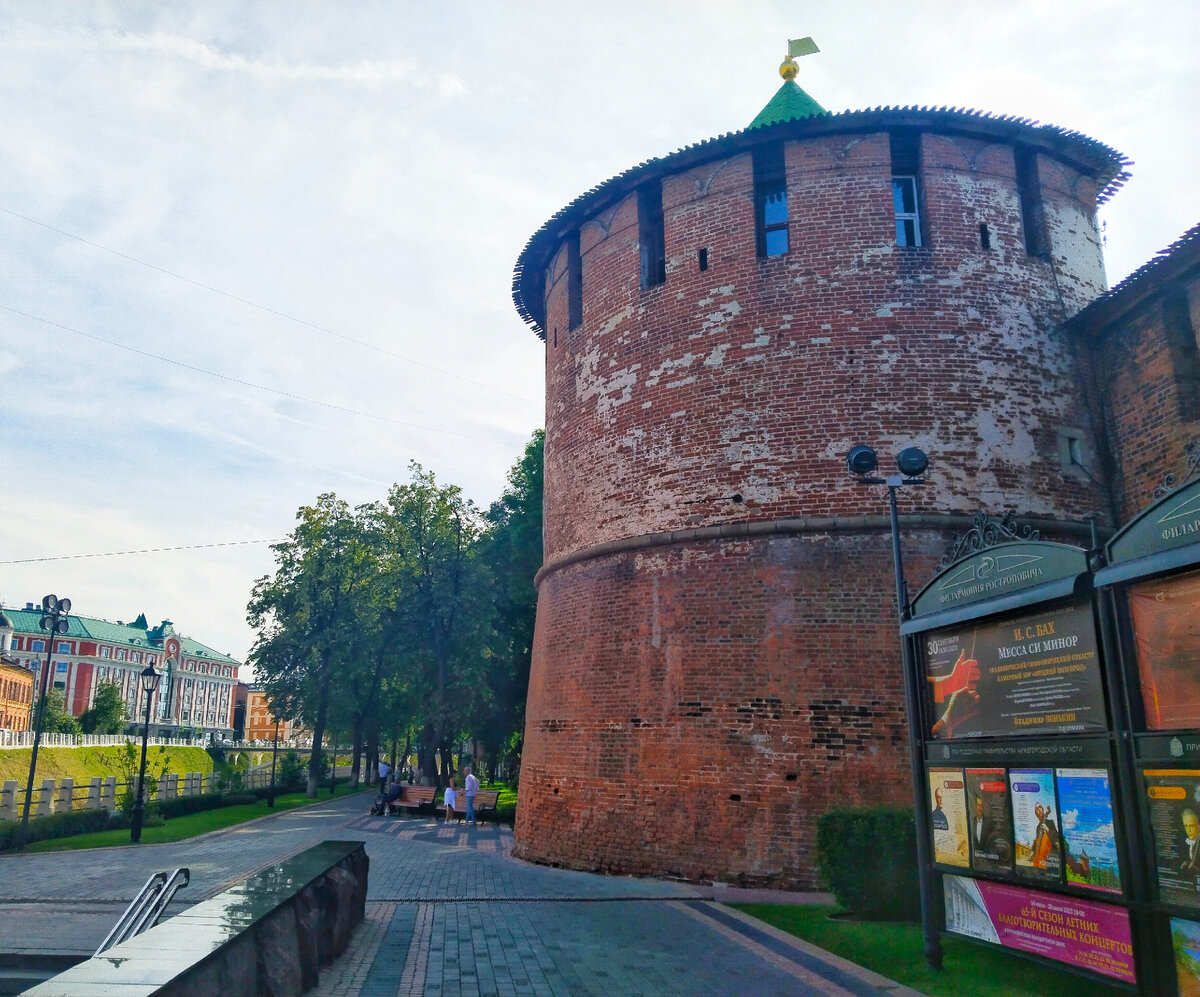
<point>716,660</point>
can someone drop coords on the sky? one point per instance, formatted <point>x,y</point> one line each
<point>255,252</point>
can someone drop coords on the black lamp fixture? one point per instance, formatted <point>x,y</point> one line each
<point>911,461</point>
<point>148,680</point>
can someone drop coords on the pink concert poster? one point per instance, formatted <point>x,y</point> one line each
<point>1076,932</point>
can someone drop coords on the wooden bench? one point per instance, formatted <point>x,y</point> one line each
<point>485,802</point>
<point>413,798</point>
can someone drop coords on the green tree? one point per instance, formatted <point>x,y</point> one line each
<point>106,715</point>
<point>441,611</point>
<point>512,549</point>
<point>306,616</point>
<point>56,719</point>
<point>128,762</point>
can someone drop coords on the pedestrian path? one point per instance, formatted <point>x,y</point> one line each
<point>450,913</point>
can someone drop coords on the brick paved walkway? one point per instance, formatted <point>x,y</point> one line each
<point>450,913</point>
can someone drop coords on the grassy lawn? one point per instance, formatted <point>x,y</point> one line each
<point>179,828</point>
<point>82,764</point>
<point>896,951</point>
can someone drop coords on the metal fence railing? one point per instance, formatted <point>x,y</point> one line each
<point>24,739</point>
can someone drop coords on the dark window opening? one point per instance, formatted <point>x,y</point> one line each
<point>556,335</point>
<point>770,202</point>
<point>651,236</point>
<point>905,150</point>
<point>1185,356</point>
<point>702,258</point>
<point>574,283</point>
<point>1029,191</point>
<point>985,237</point>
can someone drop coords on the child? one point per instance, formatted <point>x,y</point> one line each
<point>448,800</point>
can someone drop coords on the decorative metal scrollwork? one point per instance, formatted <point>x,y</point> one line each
<point>987,531</point>
<point>1192,451</point>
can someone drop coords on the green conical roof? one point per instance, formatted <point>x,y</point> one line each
<point>790,103</point>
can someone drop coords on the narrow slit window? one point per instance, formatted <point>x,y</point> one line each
<point>905,150</point>
<point>985,237</point>
<point>574,283</point>
<point>1029,191</point>
<point>904,199</point>
<point>770,202</point>
<point>702,258</point>
<point>651,236</point>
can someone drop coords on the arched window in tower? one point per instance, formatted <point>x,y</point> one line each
<point>770,202</point>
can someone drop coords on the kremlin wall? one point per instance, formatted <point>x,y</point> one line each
<point>716,660</point>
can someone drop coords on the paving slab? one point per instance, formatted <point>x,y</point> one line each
<point>450,913</point>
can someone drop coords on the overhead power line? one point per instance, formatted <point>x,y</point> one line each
<point>266,308</point>
<point>250,384</point>
<point>144,550</point>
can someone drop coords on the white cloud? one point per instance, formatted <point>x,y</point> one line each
<point>377,175</point>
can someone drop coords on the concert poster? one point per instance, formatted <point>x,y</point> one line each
<point>1166,631</point>
<point>1089,842</point>
<point>948,817</point>
<point>1029,675</point>
<point>989,821</point>
<point>1036,840</point>
<point>1076,932</point>
<point>1173,800</point>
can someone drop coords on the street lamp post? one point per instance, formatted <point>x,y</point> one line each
<point>149,680</point>
<point>912,463</point>
<point>54,621</point>
<point>274,755</point>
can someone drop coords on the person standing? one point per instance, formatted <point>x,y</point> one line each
<point>448,800</point>
<point>470,788</point>
<point>384,769</point>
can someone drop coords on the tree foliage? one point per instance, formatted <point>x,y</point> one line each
<point>409,619</point>
<point>56,718</point>
<point>512,549</point>
<point>106,715</point>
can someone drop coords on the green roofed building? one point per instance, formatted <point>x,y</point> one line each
<point>197,690</point>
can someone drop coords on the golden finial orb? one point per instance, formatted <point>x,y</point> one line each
<point>788,68</point>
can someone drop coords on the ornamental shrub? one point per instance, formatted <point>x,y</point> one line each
<point>868,861</point>
<point>183,805</point>
<point>53,826</point>
<point>292,774</point>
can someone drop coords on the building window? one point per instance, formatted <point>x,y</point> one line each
<point>120,654</point>
<point>574,282</point>
<point>1029,191</point>
<point>770,202</point>
<point>652,239</point>
<point>904,198</point>
<point>63,648</point>
<point>106,652</point>
<point>906,188</point>
<point>135,657</point>
<point>37,645</point>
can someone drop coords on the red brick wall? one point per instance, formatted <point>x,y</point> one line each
<point>1152,416</point>
<point>666,682</point>
<point>756,377</point>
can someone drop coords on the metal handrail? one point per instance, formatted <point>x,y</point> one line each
<point>146,908</point>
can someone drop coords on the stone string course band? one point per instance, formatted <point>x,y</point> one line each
<point>780,527</point>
